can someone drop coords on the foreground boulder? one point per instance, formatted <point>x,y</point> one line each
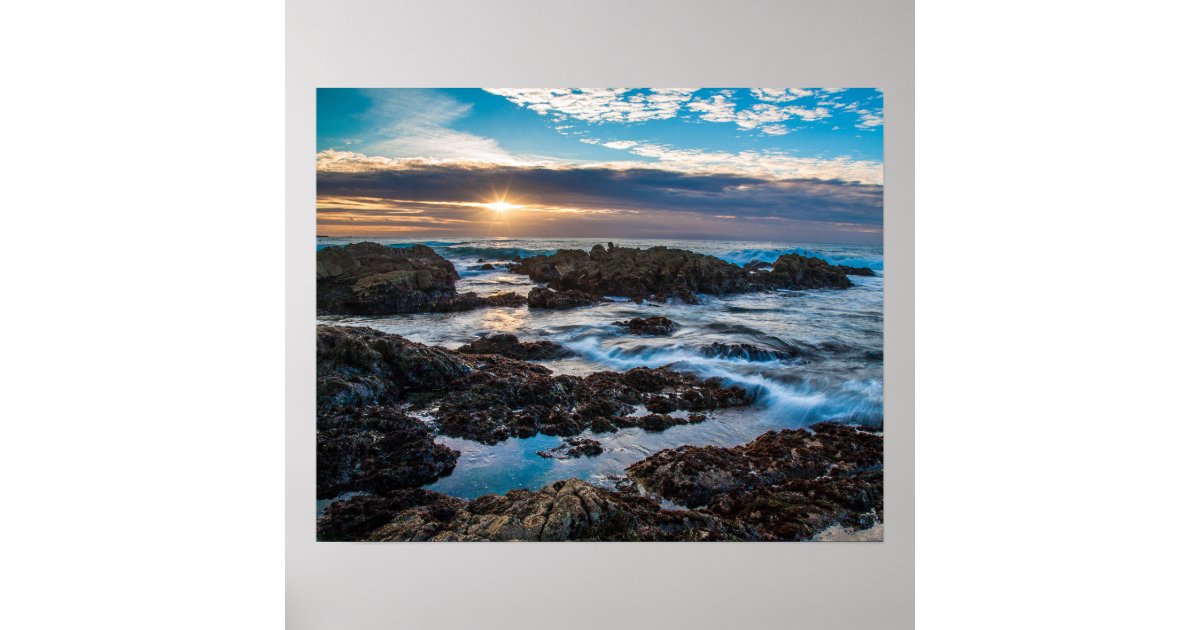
<point>489,397</point>
<point>662,273</point>
<point>507,345</point>
<point>373,279</point>
<point>785,485</point>
<point>377,450</point>
<point>565,510</point>
<point>359,366</point>
<point>657,326</point>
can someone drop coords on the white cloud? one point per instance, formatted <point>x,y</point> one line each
<point>620,144</point>
<point>762,114</point>
<point>776,130</point>
<point>785,95</point>
<point>595,105</point>
<point>417,126</point>
<point>766,165</point>
<point>716,109</point>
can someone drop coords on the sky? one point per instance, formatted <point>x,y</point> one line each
<point>777,164</point>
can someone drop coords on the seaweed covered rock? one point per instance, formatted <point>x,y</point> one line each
<point>695,475</point>
<point>658,326</point>
<point>572,448</point>
<point>541,297</point>
<point>793,271</point>
<point>359,366</point>
<point>490,397</point>
<point>355,518</point>
<point>516,399</point>
<point>507,345</point>
<point>565,510</point>
<point>662,273</point>
<point>377,449</point>
<point>374,279</point>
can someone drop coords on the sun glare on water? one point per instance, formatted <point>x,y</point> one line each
<point>500,207</point>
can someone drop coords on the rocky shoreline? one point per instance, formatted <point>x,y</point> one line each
<point>374,279</point>
<point>382,400</point>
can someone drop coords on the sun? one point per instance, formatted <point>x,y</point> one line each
<point>501,206</point>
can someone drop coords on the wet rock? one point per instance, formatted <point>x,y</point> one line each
<point>489,397</point>
<point>377,449</point>
<point>659,326</point>
<point>373,279</point>
<point>566,510</point>
<point>662,273</point>
<point>694,475</point>
<point>507,345</point>
<point>793,271</point>
<point>786,485</point>
<point>756,265</point>
<point>855,271</point>
<point>517,399</point>
<point>356,517</point>
<point>359,366</point>
<point>572,448</point>
<point>748,352</point>
<point>540,297</point>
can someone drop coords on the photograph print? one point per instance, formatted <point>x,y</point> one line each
<point>609,314</point>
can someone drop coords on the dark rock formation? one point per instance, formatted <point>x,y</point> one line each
<point>373,279</point>
<point>786,485</point>
<point>660,326</point>
<point>540,297</point>
<point>516,399</point>
<point>507,345</point>
<point>748,352</point>
<point>661,273</point>
<point>488,397</point>
<point>573,447</point>
<point>694,475</point>
<point>565,510</point>
<point>359,366</point>
<point>377,449</point>
<point>356,517</point>
<point>855,271</point>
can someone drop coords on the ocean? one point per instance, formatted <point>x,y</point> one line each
<point>821,355</point>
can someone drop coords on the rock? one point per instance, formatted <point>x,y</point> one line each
<point>507,345</point>
<point>487,267</point>
<point>793,271</point>
<point>373,279</point>
<point>377,449</point>
<point>517,399</point>
<point>658,325</point>
<point>356,517</point>
<point>662,273</point>
<point>694,476</point>
<point>855,271</point>
<point>787,485</point>
<point>359,366</point>
<point>748,352</point>
<point>540,297</point>
<point>489,397</point>
<point>565,510</point>
<point>756,265</point>
<point>573,447</point>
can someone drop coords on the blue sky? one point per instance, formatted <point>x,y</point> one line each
<point>779,164</point>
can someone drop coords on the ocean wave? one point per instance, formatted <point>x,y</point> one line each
<point>743,256</point>
<point>473,252</point>
<point>857,402</point>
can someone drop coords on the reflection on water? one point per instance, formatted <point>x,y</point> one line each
<point>831,341</point>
